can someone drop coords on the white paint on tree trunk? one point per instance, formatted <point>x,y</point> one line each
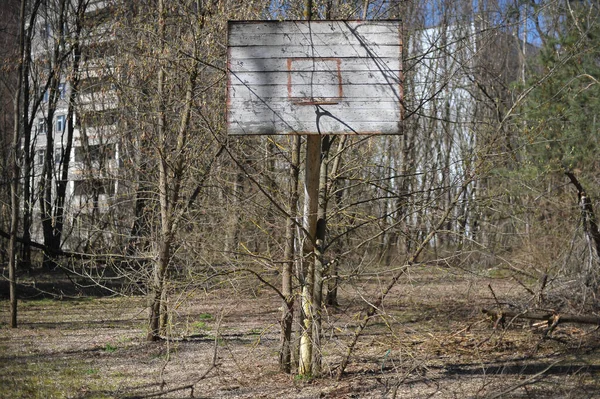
<point>314,77</point>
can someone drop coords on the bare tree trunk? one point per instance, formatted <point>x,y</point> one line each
<point>287,317</point>
<point>14,183</point>
<point>28,198</point>
<point>53,188</point>
<point>333,279</point>
<point>164,306</point>
<point>158,288</point>
<point>321,228</point>
<point>62,182</point>
<point>162,262</point>
<point>27,121</point>
<point>590,227</point>
<point>170,179</point>
<point>14,221</point>
<point>232,240</point>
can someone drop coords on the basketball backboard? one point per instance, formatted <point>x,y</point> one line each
<point>314,77</point>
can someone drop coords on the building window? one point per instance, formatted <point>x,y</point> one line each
<point>92,187</point>
<point>60,123</point>
<point>95,152</point>
<point>39,157</point>
<point>58,154</point>
<point>62,91</point>
<point>45,30</point>
<point>99,118</point>
<point>46,96</point>
<point>42,126</point>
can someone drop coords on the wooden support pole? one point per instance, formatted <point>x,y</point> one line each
<point>311,205</point>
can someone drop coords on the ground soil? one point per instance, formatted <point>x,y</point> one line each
<point>431,342</point>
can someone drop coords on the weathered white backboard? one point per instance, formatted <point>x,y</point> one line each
<point>314,77</point>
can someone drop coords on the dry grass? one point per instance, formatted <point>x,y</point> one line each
<point>432,342</point>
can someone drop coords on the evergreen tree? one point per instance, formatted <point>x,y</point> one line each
<point>562,113</point>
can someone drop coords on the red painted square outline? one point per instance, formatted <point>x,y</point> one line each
<point>309,100</point>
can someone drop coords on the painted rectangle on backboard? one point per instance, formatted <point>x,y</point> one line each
<point>314,77</point>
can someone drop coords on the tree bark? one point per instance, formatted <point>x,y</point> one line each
<point>53,188</point>
<point>28,198</point>
<point>590,222</point>
<point>320,233</point>
<point>500,316</point>
<point>27,121</point>
<point>287,316</point>
<point>162,262</point>
<point>14,183</point>
<point>170,179</point>
<point>333,279</point>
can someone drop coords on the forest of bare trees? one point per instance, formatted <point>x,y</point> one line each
<point>116,169</point>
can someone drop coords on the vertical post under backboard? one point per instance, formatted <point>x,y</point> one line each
<point>311,205</point>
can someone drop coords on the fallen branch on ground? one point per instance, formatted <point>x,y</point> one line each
<point>553,318</point>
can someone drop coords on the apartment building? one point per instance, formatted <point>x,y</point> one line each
<point>74,149</point>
